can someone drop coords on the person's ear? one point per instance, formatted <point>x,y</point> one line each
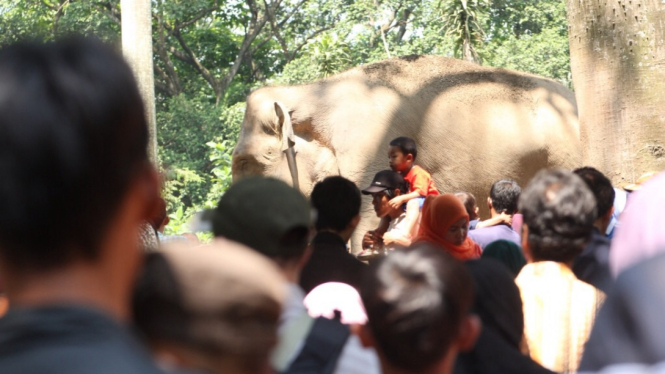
<point>409,157</point>
<point>469,332</point>
<point>354,222</point>
<point>489,203</point>
<point>608,216</point>
<point>525,243</point>
<point>476,210</point>
<point>397,192</point>
<point>305,257</point>
<point>150,186</point>
<point>364,334</point>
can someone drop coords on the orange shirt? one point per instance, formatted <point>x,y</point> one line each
<point>421,181</point>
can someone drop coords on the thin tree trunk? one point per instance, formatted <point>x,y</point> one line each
<point>137,49</point>
<point>618,65</point>
<point>467,53</point>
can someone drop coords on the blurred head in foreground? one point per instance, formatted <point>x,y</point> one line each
<point>417,304</point>
<point>212,308</point>
<point>77,181</point>
<point>268,216</point>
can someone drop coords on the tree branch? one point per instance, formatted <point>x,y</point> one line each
<point>160,45</point>
<point>403,22</point>
<point>110,11</point>
<point>256,24</point>
<point>306,40</point>
<point>181,56</point>
<point>163,88</point>
<point>261,44</point>
<point>214,83</point>
<point>58,15</point>
<point>290,14</point>
<point>197,17</point>
<point>270,13</point>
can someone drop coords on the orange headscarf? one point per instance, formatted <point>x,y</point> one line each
<point>439,213</point>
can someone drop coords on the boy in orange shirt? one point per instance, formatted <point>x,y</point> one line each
<point>402,154</point>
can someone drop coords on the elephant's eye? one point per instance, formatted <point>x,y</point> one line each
<point>269,130</point>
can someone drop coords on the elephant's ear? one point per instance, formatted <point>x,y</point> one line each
<point>284,124</point>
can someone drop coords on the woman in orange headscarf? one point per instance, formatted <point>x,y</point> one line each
<point>445,223</point>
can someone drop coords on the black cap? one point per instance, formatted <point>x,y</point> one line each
<point>257,211</point>
<point>385,180</point>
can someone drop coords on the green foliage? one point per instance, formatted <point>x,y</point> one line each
<point>197,174</point>
<point>530,36</point>
<point>219,179</point>
<point>220,155</point>
<point>183,127</point>
<point>326,56</point>
<point>50,19</point>
<point>463,21</point>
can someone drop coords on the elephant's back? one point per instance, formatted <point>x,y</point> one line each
<point>473,124</point>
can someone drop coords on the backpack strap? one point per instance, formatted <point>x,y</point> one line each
<point>322,348</point>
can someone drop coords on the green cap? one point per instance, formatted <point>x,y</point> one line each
<point>258,211</point>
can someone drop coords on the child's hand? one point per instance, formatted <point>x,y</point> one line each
<point>506,218</point>
<point>396,202</point>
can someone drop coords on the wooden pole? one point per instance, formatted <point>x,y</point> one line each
<point>137,49</point>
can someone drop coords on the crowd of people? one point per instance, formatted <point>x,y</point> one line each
<point>565,276</point>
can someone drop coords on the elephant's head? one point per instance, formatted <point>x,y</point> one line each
<point>277,135</point>
<point>265,140</point>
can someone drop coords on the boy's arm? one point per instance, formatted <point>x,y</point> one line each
<point>397,201</point>
<point>404,238</point>
<point>498,220</point>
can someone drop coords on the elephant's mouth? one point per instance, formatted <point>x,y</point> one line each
<point>245,165</point>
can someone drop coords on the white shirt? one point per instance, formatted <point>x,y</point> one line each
<point>294,327</point>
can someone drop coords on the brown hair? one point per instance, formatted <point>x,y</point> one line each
<point>469,202</point>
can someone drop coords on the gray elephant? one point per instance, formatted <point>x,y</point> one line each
<point>472,124</point>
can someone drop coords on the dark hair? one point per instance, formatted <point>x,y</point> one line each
<point>73,135</point>
<point>415,301</point>
<point>498,301</point>
<point>402,186</point>
<point>505,194</point>
<point>337,201</point>
<point>292,245</point>
<point>600,186</point>
<point>469,202</point>
<point>559,210</point>
<point>406,145</point>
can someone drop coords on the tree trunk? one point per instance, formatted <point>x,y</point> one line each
<point>467,52</point>
<point>137,49</point>
<point>618,64</point>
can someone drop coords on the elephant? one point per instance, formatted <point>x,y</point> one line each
<point>472,124</point>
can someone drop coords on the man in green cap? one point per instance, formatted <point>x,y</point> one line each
<point>275,219</point>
